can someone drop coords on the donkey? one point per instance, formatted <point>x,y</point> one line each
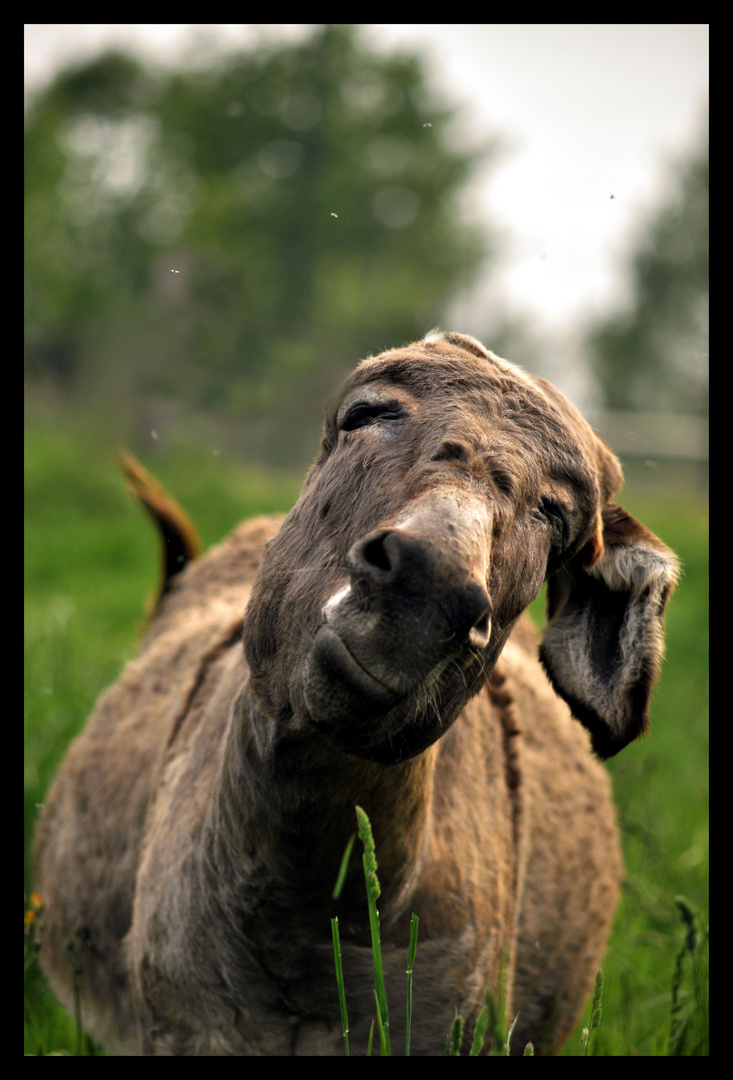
<point>190,843</point>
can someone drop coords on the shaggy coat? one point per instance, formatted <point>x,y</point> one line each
<point>191,841</point>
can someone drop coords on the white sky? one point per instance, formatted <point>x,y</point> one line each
<point>587,112</point>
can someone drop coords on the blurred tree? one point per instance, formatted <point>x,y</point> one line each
<point>232,232</point>
<point>654,356</point>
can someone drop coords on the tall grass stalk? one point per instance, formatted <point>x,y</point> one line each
<point>456,1036</point>
<point>414,921</point>
<point>596,1013</point>
<point>373,890</point>
<point>479,1032</point>
<point>380,991</point>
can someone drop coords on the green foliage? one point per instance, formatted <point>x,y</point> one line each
<point>91,560</point>
<point>689,1029</point>
<point>661,795</point>
<point>654,356</point>
<point>227,234</point>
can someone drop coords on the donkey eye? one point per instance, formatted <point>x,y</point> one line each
<point>365,413</point>
<point>551,510</point>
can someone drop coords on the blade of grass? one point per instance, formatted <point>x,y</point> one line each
<point>412,949</point>
<point>340,983</point>
<point>343,868</point>
<point>509,1034</point>
<point>385,1050</point>
<point>373,891</point>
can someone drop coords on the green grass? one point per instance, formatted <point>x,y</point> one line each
<point>661,789</point>
<point>91,560</point>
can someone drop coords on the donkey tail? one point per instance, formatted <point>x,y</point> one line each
<point>180,541</point>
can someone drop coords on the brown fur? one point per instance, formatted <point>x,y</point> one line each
<point>194,832</point>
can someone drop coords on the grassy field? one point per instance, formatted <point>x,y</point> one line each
<point>91,560</point>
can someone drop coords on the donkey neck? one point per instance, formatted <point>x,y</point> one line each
<point>289,803</point>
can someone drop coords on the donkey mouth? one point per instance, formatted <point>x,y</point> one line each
<point>338,690</point>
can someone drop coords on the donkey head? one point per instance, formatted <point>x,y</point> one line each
<point>449,486</point>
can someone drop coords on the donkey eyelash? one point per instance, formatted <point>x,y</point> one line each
<point>364,414</point>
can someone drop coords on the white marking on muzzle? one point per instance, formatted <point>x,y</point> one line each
<point>335,600</point>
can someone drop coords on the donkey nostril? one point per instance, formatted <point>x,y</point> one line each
<point>480,632</point>
<point>375,554</point>
<point>479,619</point>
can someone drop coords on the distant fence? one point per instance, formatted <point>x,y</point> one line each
<point>654,435</point>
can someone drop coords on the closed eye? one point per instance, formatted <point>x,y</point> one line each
<point>550,509</point>
<point>365,413</point>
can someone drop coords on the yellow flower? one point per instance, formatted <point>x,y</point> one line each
<point>35,901</point>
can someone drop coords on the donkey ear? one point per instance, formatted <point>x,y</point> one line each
<point>604,642</point>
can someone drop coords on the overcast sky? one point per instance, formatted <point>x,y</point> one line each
<point>592,115</point>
